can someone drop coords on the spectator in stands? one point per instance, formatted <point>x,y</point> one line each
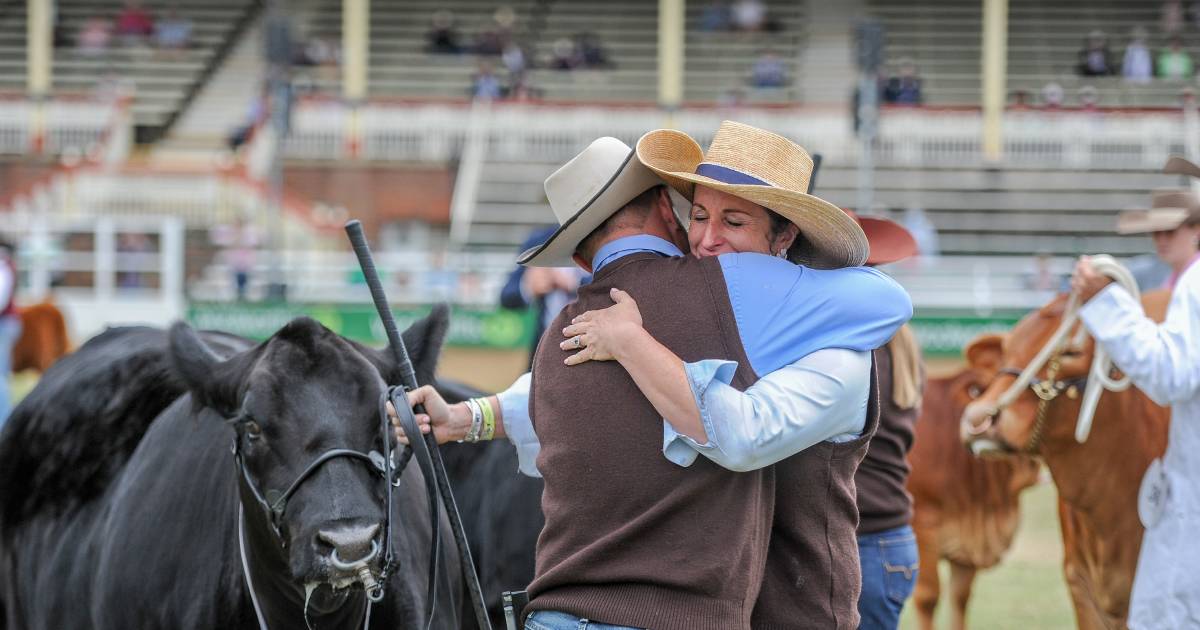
<point>485,85</point>
<point>10,323</point>
<point>492,40</point>
<point>134,23</point>
<point>442,37</point>
<point>1089,98</point>
<point>923,231</point>
<point>1138,65</point>
<point>1095,59</point>
<point>1172,18</point>
<point>591,52</point>
<point>173,32</point>
<point>769,71</point>
<point>905,87</point>
<point>1052,95</point>
<point>522,91</point>
<point>94,37</point>
<point>565,55</point>
<point>715,17</point>
<point>256,113</point>
<point>1174,63</point>
<point>749,15</point>
<point>513,59</point>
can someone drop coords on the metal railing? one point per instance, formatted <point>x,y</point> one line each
<point>916,137</point>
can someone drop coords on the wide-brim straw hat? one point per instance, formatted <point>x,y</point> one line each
<point>584,193</point>
<point>1168,210</point>
<point>890,242</point>
<point>764,168</point>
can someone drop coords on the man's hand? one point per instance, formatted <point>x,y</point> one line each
<point>1086,281</point>
<point>448,422</point>
<point>601,334</point>
<point>539,281</point>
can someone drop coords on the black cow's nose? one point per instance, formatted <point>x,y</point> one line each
<point>351,543</point>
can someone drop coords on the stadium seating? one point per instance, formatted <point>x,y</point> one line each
<point>716,62</point>
<point>162,84</point>
<point>943,38</point>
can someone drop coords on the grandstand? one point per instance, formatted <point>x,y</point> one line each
<point>1064,176</point>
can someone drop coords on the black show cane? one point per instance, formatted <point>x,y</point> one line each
<point>426,448</point>
<point>812,177</point>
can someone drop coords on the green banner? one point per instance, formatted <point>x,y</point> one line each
<point>940,334</point>
<point>945,335</point>
<point>487,328</point>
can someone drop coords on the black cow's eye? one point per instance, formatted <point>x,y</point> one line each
<point>253,431</point>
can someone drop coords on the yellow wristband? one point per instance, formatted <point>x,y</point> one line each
<point>489,419</point>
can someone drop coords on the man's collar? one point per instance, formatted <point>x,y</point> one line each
<point>631,245</point>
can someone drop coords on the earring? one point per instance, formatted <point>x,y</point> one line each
<point>781,253</point>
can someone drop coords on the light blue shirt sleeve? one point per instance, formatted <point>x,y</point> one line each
<point>821,397</point>
<point>514,407</point>
<point>786,311</point>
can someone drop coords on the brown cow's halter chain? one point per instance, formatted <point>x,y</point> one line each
<point>1046,391</point>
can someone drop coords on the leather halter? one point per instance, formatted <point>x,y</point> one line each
<point>1046,390</point>
<point>274,503</point>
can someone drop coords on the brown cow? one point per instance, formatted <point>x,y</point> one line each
<point>965,510</point>
<point>43,338</point>
<point>1098,480</point>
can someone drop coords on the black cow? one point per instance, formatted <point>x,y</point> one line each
<point>122,506</point>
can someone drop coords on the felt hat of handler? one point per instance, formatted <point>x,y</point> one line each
<point>584,193</point>
<point>890,241</point>
<point>764,168</point>
<point>1168,210</point>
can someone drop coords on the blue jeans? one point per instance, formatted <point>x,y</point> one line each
<point>10,330</point>
<point>554,620</point>
<point>889,573</point>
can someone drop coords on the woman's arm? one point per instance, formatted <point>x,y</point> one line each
<point>1161,359</point>
<point>616,333</point>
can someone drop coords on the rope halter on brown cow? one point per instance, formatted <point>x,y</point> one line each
<point>1099,378</point>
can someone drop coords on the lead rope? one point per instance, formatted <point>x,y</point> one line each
<point>1100,376</point>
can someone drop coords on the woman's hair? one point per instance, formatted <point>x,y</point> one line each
<point>907,371</point>
<point>778,223</point>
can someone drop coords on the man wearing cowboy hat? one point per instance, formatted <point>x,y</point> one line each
<point>1163,360</point>
<point>629,534</point>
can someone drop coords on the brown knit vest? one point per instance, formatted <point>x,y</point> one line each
<point>813,577</point>
<point>883,501</point>
<point>631,538</point>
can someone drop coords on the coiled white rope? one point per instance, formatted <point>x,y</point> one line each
<point>1100,376</point>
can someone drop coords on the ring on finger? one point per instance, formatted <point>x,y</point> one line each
<point>577,340</point>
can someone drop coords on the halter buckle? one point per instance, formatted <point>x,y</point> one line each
<point>1047,390</point>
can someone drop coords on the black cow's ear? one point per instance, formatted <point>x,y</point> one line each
<point>423,340</point>
<point>213,382</point>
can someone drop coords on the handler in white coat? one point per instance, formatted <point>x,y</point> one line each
<point>1163,360</point>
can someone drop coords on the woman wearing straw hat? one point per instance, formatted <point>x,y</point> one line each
<point>817,398</point>
<point>1163,360</point>
<point>738,206</point>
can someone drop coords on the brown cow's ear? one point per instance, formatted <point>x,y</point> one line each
<point>985,351</point>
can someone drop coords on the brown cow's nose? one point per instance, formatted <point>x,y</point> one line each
<point>351,543</point>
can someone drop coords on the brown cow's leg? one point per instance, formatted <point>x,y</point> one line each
<point>962,577</point>
<point>926,593</point>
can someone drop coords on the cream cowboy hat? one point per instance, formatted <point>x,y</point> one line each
<point>764,168</point>
<point>1168,210</point>
<point>585,192</point>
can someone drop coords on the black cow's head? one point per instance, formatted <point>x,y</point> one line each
<point>293,398</point>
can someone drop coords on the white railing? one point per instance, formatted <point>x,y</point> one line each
<point>99,129</point>
<point>103,270</point>
<point>907,137</point>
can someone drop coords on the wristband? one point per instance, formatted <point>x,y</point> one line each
<point>489,419</point>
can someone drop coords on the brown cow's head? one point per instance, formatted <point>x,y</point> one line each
<point>1009,430</point>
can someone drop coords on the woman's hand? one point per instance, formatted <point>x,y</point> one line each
<point>448,422</point>
<point>601,335</point>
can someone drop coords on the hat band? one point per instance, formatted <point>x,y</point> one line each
<point>727,175</point>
